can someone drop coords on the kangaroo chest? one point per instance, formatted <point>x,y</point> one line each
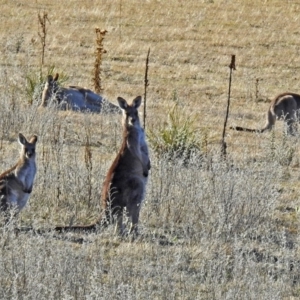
<point>26,175</point>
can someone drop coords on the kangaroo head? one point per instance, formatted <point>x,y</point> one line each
<point>50,88</point>
<point>130,111</point>
<point>28,147</point>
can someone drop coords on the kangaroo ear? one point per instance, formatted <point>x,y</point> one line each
<point>33,139</point>
<point>122,103</point>
<point>137,102</point>
<point>49,78</point>
<point>22,139</point>
<point>56,77</point>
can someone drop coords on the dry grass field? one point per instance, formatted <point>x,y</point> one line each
<point>209,228</point>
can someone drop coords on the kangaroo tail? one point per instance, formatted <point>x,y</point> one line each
<point>271,118</point>
<point>83,228</point>
<point>61,229</point>
<point>101,223</point>
<point>238,128</point>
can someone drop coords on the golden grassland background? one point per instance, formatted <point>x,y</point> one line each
<point>191,44</point>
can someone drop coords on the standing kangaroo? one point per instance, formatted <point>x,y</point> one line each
<point>125,183</point>
<point>126,179</point>
<point>17,182</point>
<point>284,106</point>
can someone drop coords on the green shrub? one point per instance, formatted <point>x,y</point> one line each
<point>179,138</point>
<point>35,83</point>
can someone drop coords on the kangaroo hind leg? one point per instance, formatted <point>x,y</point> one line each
<point>291,127</point>
<point>134,204</point>
<point>118,216</point>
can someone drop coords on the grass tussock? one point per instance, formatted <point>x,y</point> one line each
<point>35,82</point>
<point>178,138</point>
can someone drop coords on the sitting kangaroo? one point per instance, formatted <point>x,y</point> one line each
<point>17,182</point>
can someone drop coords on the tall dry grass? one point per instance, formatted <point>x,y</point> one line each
<point>210,229</point>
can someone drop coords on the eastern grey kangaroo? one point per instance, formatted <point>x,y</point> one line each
<point>125,183</point>
<point>75,98</point>
<point>17,182</point>
<point>284,106</point>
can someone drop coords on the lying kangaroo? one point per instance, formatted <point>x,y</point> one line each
<point>17,182</point>
<point>285,106</point>
<point>74,98</point>
<point>125,183</point>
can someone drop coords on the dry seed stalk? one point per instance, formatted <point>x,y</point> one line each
<point>57,151</point>
<point>146,83</point>
<point>120,20</point>
<point>88,163</point>
<point>98,54</point>
<point>256,89</point>
<point>42,32</point>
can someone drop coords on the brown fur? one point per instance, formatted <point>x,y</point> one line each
<point>284,106</point>
<point>125,182</point>
<point>16,183</point>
